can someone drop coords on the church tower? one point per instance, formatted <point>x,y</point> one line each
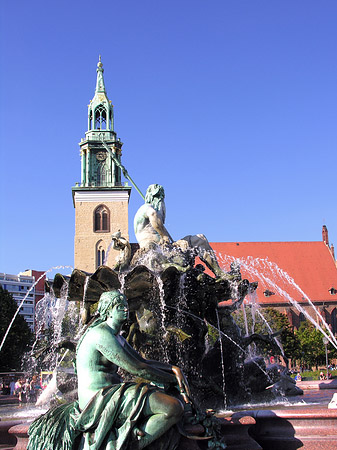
<point>100,200</point>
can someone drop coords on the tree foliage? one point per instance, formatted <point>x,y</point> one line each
<point>312,347</point>
<point>19,338</point>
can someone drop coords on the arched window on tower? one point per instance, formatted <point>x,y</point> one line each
<point>100,118</point>
<point>100,254</point>
<point>102,219</point>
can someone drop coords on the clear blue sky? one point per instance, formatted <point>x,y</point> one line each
<point>230,104</point>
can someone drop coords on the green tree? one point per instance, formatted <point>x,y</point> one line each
<point>312,347</point>
<point>19,338</point>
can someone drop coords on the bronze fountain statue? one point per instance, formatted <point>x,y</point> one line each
<point>109,413</point>
<point>172,309</point>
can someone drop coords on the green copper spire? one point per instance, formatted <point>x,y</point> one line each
<point>100,87</point>
<point>101,168</point>
<point>100,113</point>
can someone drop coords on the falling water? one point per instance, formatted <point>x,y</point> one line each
<point>122,281</point>
<point>85,288</point>
<point>222,333</point>
<point>243,307</point>
<point>56,319</point>
<point>253,301</point>
<point>107,253</point>
<point>222,363</point>
<point>162,304</point>
<point>265,321</point>
<point>181,304</point>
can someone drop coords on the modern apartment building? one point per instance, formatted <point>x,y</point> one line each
<point>19,286</point>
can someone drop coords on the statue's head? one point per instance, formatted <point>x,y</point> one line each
<point>108,300</point>
<point>154,191</point>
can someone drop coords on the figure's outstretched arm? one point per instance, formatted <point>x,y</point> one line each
<point>157,367</point>
<point>112,350</point>
<point>157,364</point>
<point>162,366</point>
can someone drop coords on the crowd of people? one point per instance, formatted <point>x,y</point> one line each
<point>323,375</point>
<point>27,390</point>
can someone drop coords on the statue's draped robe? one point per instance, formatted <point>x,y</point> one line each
<point>106,422</point>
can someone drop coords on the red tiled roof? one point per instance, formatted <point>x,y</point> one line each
<point>309,264</point>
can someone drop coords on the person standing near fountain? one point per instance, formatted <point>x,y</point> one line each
<point>150,232</point>
<point>34,388</point>
<point>110,413</point>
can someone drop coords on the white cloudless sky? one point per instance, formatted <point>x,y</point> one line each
<point>230,104</point>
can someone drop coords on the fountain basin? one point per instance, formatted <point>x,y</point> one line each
<point>235,431</point>
<point>318,384</point>
<point>286,429</point>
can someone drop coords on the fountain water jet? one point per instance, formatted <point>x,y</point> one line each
<point>256,268</point>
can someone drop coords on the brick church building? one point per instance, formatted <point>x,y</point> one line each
<point>289,274</point>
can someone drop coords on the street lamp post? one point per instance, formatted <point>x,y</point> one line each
<point>325,342</point>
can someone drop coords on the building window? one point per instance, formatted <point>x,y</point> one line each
<point>302,318</point>
<point>101,219</point>
<point>100,254</point>
<point>268,293</point>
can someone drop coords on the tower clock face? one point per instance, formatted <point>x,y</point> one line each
<point>101,156</point>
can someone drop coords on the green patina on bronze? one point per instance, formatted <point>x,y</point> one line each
<point>109,413</point>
